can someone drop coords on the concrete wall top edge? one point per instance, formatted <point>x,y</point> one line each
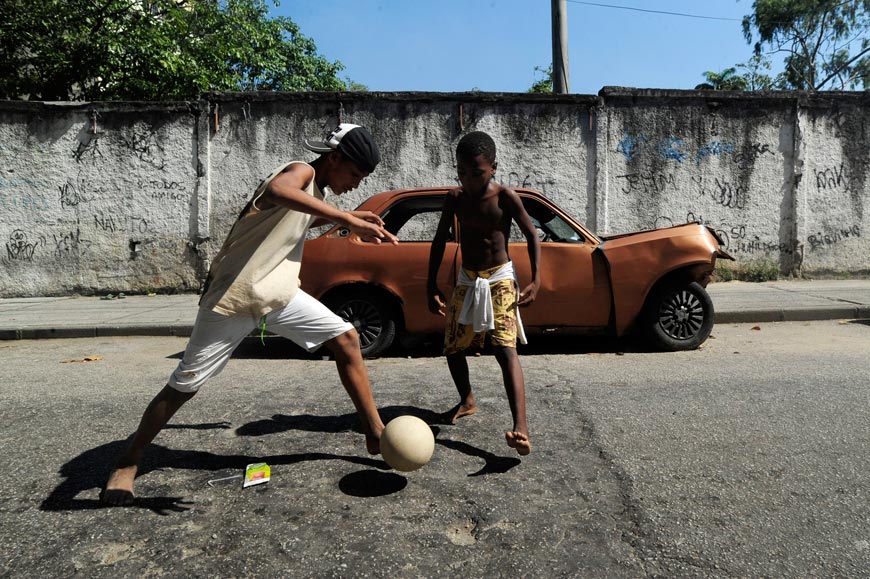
<point>821,98</point>
<point>362,96</point>
<point>102,106</point>
<point>610,93</point>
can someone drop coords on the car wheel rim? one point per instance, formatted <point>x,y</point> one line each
<point>681,315</point>
<point>366,318</point>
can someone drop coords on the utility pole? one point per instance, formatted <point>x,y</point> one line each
<point>559,10</point>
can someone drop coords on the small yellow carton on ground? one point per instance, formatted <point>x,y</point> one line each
<point>256,473</point>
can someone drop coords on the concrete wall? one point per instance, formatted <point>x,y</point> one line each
<point>108,197</point>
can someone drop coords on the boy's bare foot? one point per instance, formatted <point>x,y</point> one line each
<point>118,491</point>
<point>519,442</point>
<point>373,437</point>
<point>373,444</point>
<point>459,411</point>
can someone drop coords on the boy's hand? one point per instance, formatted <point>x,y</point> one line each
<point>368,216</point>
<point>528,295</point>
<point>370,231</point>
<point>436,302</point>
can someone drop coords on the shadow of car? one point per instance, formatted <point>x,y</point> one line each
<point>652,281</point>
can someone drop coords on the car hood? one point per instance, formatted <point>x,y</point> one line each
<point>691,230</point>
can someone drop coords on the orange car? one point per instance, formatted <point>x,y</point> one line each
<point>651,280</point>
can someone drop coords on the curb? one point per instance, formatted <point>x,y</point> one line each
<point>181,330</point>
<point>793,315</point>
<point>184,330</point>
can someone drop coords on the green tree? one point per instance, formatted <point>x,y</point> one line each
<point>544,85</point>
<point>728,79</point>
<point>826,42</point>
<point>153,50</point>
<point>350,85</point>
<point>756,79</point>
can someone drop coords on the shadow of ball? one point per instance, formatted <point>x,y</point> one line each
<point>407,443</point>
<point>371,483</point>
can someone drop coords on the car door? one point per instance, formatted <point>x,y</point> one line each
<point>575,288</point>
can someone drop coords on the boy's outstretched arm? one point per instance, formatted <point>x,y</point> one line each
<point>287,190</point>
<point>436,254</point>
<point>519,214</point>
<point>364,215</point>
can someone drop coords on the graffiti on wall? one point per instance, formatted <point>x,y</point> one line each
<point>750,153</point>
<point>72,194</point>
<point>735,237</point>
<point>117,223</point>
<point>714,149</point>
<point>87,149</point>
<point>672,149</point>
<point>833,237</point>
<point>70,244</point>
<point>543,183</point>
<point>164,190</point>
<point>647,182</point>
<point>831,178</point>
<point>23,201</point>
<point>758,246</point>
<point>145,145</point>
<point>675,149</point>
<point>629,146</point>
<point>21,248</point>
<point>17,193</point>
<point>722,192</point>
<point>75,237</point>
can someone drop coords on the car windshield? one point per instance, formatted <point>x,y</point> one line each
<point>551,227</point>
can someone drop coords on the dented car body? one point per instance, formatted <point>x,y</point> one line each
<point>651,281</point>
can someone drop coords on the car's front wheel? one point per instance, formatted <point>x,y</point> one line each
<point>678,316</point>
<point>371,314</point>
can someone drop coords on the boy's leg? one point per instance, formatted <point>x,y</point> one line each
<point>504,339</point>
<point>515,387</point>
<point>457,338</point>
<point>211,344</point>
<point>119,488</point>
<point>310,324</point>
<point>467,406</point>
<point>355,379</point>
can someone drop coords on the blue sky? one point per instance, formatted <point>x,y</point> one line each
<point>495,45</point>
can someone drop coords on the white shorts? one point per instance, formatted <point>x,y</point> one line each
<point>305,321</point>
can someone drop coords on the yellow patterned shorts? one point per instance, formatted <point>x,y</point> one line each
<point>458,337</point>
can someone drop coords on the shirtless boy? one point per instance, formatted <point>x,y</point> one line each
<point>485,211</point>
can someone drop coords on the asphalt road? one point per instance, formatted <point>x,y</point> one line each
<point>746,458</point>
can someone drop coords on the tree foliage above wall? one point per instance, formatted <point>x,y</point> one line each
<point>727,79</point>
<point>153,50</point>
<point>826,43</point>
<point>545,84</point>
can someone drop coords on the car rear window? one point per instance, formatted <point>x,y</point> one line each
<point>415,219</point>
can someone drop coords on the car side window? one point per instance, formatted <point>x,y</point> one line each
<point>551,228</point>
<point>415,219</point>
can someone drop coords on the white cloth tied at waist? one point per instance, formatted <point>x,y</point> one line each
<point>477,308</point>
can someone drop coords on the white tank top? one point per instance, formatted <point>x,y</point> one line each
<point>257,269</point>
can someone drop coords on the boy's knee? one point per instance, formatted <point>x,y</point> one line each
<point>505,352</point>
<point>346,343</point>
<point>175,394</point>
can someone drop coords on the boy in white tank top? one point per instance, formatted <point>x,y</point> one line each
<point>254,281</point>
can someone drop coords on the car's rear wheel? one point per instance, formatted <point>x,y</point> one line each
<point>678,316</point>
<point>371,314</point>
